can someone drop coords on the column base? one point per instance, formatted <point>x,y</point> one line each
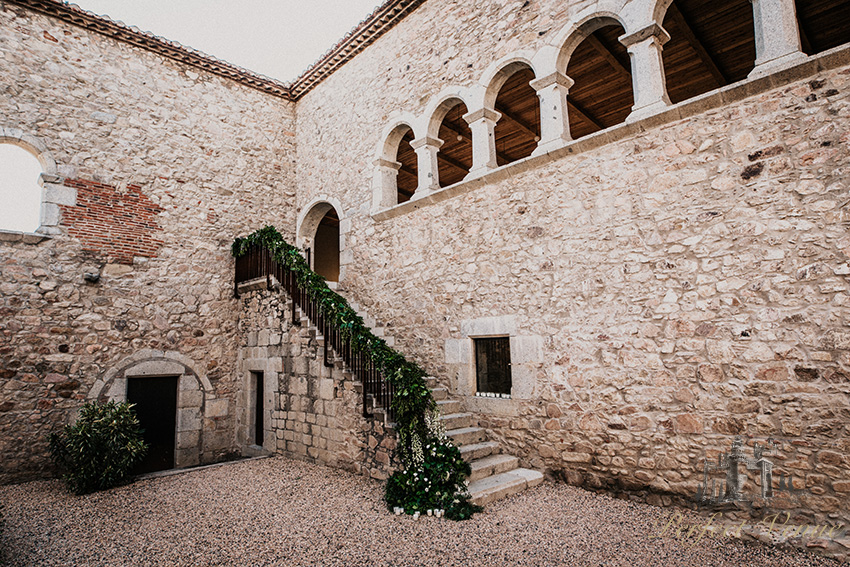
<point>420,193</point>
<point>763,68</point>
<point>649,110</point>
<point>550,146</point>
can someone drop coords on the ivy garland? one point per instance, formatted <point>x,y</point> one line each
<point>421,444</point>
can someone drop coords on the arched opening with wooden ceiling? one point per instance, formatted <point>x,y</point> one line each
<point>712,44</point>
<point>455,156</point>
<point>319,237</point>
<point>326,247</point>
<point>601,95</point>
<point>408,173</point>
<point>518,129</point>
<point>823,24</point>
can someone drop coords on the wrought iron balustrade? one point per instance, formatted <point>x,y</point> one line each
<point>257,263</point>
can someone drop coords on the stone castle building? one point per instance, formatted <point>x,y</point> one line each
<point>636,209</point>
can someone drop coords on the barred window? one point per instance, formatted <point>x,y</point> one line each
<point>493,365</point>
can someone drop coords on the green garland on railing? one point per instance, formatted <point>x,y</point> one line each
<point>412,403</point>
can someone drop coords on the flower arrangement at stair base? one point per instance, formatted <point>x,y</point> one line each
<point>435,475</point>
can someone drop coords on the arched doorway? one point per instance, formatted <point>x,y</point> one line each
<point>326,247</point>
<point>319,236</point>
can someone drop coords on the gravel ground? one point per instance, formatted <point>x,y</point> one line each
<point>282,512</point>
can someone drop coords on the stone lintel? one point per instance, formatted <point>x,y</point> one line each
<point>426,141</point>
<point>381,162</point>
<point>555,78</point>
<point>486,113</point>
<point>652,30</point>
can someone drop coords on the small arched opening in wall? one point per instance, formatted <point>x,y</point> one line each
<point>408,172</point>
<point>454,159</point>
<point>823,24</point>
<point>171,400</point>
<point>25,167</point>
<point>712,44</point>
<point>601,95</point>
<point>517,131</point>
<point>319,235</point>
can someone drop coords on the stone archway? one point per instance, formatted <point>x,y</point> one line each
<point>194,398</point>
<point>320,231</point>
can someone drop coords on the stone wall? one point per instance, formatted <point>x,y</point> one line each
<point>667,285</point>
<point>151,169</point>
<point>314,412</point>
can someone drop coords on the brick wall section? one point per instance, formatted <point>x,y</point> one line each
<point>119,225</point>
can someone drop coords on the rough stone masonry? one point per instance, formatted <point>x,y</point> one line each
<point>666,284</point>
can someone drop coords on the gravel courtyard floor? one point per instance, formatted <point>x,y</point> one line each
<point>278,511</point>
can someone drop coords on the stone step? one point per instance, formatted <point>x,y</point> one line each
<point>439,393</point>
<point>466,435</point>
<point>431,382</point>
<point>478,450</point>
<point>487,490</point>
<point>494,464</point>
<point>449,406</point>
<point>457,420</point>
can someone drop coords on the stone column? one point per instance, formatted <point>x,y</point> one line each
<point>483,125</point>
<point>648,80</point>
<point>385,184</point>
<point>554,120</point>
<point>777,36</point>
<point>429,172</point>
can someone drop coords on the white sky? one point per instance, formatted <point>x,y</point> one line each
<point>20,193</point>
<point>277,38</point>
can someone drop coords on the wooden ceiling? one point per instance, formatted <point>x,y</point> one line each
<point>518,130</point>
<point>824,24</point>
<point>711,45</point>
<point>602,94</point>
<point>330,218</point>
<point>455,156</point>
<point>408,176</point>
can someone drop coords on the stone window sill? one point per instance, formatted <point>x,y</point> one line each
<point>25,237</point>
<point>826,61</point>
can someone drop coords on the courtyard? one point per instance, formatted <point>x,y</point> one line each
<point>279,511</point>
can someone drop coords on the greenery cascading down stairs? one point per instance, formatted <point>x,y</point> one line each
<point>434,473</point>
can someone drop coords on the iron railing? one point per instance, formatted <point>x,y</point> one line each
<point>259,263</point>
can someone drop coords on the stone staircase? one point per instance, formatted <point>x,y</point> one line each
<point>494,475</point>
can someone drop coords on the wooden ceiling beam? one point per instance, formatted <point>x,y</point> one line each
<point>522,125</point>
<point>452,162</point>
<point>409,170</point>
<point>584,114</point>
<point>614,61</point>
<point>806,44</point>
<point>697,44</point>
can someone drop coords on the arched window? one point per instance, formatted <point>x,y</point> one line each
<point>518,129</point>
<point>602,95</point>
<point>712,44</point>
<point>20,192</point>
<point>326,247</point>
<point>408,173</point>
<point>455,156</point>
<point>824,24</point>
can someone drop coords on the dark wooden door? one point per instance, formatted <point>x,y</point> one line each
<point>156,407</point>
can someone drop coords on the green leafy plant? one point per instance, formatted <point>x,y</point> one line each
<point>100,449</point>
<point>412,402</point>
